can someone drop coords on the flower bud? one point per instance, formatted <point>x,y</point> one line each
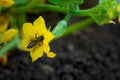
<point>59,28</point>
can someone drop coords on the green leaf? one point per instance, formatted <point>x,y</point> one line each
<point>100,17</point>
<point>66,3</point>
<point>79,1</point>
<point>109,6</point>
<point>105,12</point>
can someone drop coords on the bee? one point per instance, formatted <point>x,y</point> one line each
<point>34,42</point>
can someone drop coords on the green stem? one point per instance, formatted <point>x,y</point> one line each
<point>48,7</point>
<point>24,8</point>
<point>86,12</point>
<point>18,42</point>
<point>8,47</point>
<point>78,26</point>
<point>67,17</point>
<point>14,23</point>
<point>21,20</point>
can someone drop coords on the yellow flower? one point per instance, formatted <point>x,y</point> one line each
<point>8,35</point>
<point>3,23</point>
<point>6,3</point>
<point>118,8</point>
<point>119,19</point>
<point>36,39</point>
<point>3,59</point>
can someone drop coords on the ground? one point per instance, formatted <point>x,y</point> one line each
<point>90,54</point>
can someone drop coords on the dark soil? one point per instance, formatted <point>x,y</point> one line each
<point>91,54</point>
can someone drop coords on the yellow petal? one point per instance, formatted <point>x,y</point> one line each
<point>28,30</point>
<point>8,35</point>
<point>47,49</point>
<point>119,19</point>
<point>6,3</point>
<point>36,53</point>
<point>51,54</point>
<point>3,23</point>
<point>48,36</point>
<point>40,26</point>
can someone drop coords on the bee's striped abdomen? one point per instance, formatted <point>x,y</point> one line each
<point>31,44</point>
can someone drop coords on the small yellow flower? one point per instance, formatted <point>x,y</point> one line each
<point>8,35</point>
<point>3,59</point>
<point>3,23</point>
<point>6,3</point>
<point>118,8</point>
<point>37,38</point>
<point>119,19</point>
<point>5,37</point>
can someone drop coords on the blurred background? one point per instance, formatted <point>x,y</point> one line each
<point>89,54</point>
